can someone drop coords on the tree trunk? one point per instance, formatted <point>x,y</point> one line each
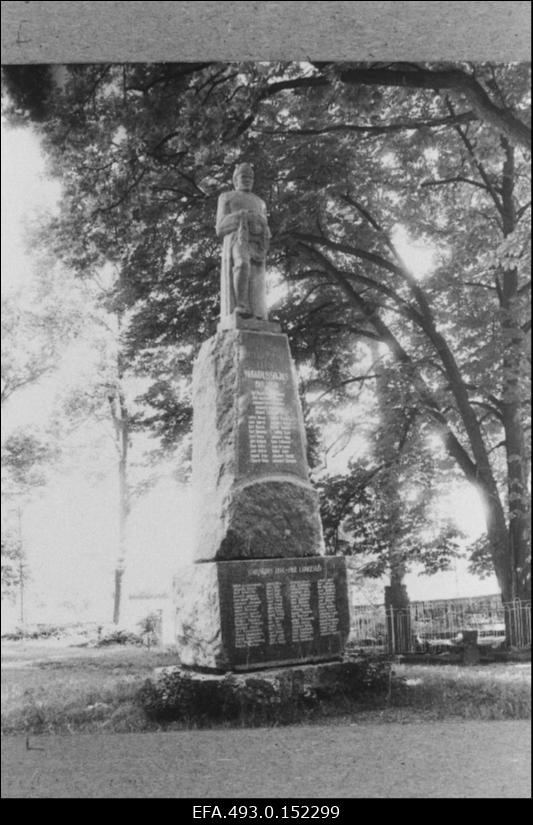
<point>117,596</point>
<point>21,591</point>
<point>396,599</point>
<point>22,571</point>
<point>120,417</point>
<point>122,426</point>
<point>519,531</point>
<point>398,617</point>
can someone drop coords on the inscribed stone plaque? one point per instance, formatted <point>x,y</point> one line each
<point>270,432</point>
<point>283,611</point>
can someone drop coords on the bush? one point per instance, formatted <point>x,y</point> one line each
<point>119,637</point>
<point>181,697</point>
<point>48,631</point>
<point>150,628</point>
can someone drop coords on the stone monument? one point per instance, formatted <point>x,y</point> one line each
<point>261,592</point>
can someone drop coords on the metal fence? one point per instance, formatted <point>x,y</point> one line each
<point>518,622</point>
<point>426,627</point>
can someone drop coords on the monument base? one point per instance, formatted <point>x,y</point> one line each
<point>276,695</point>
<point>248,615</point>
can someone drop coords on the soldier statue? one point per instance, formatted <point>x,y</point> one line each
<point>242,223</point>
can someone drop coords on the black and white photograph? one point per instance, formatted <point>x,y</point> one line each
<point>266,416</point>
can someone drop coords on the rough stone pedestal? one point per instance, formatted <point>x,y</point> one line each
<point>249,463</point>
<point>261,593</point>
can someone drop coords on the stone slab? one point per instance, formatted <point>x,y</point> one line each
<point>236,321</point>
<point>271,433</point>
<point>248,615</point>
<point>326,679</point>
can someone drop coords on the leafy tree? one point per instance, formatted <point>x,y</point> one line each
<point>384,508</point>
<point>37,323</point>
<point>27,458</point>
<point>13,566</point>
<point>97,406</point>
<point>344,153</point>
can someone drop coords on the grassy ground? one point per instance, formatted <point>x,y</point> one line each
<point>51,688</point>
<point>495,691</point>
<point>47,688</point>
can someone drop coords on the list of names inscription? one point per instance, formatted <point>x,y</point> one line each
<point>328,617</point>
<point>270,429</point>
<point>302,618</point>
<point>284,609</point>
<point>276,613</point>
<point>247,615</point>
<point>270,424</point>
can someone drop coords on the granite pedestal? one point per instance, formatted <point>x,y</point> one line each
<point>261,592</point>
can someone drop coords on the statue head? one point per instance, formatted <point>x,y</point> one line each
<point>243,177</point>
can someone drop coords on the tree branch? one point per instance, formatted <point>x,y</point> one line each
<point>369,129</point>
<point>455,80</point>
<point>479,166</point>
<point>524,208</point>
<point>457,179</point>
<point>490,408</point>
<point>452,444</point>
<point>186,69</point>
<point>497,446</point>
<point>480,286</point>
<point>415,77</point>
<point>354,380</point>
<point>347,249</point>
<point>130,188</point>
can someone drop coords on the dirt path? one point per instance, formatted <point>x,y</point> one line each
<point>440,759</point>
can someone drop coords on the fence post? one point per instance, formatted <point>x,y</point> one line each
<point>391,628</point>
<point>470,647</point>
<point>518,623</point>
<point>398,619</point>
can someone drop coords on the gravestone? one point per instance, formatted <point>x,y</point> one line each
<point>261,592</point>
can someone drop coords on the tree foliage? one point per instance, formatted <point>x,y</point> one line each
<point>37,322</point>
<point>27,458</point>
<point>344,153</point>
<point>11,562</point>
<point>384,508</point>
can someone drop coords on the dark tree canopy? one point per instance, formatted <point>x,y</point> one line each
<point>343,154</point>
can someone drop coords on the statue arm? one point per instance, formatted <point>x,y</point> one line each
<point>260,217</point>
<point>226,221</point>
<point>264,215</point>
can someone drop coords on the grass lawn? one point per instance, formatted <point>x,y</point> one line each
<point>492,691</point>
<point>48,687</point>
<point>52,688</point>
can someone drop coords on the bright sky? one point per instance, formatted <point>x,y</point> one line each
<point>69,531</point>
<point>419,257</point>
<point>25,192</point>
